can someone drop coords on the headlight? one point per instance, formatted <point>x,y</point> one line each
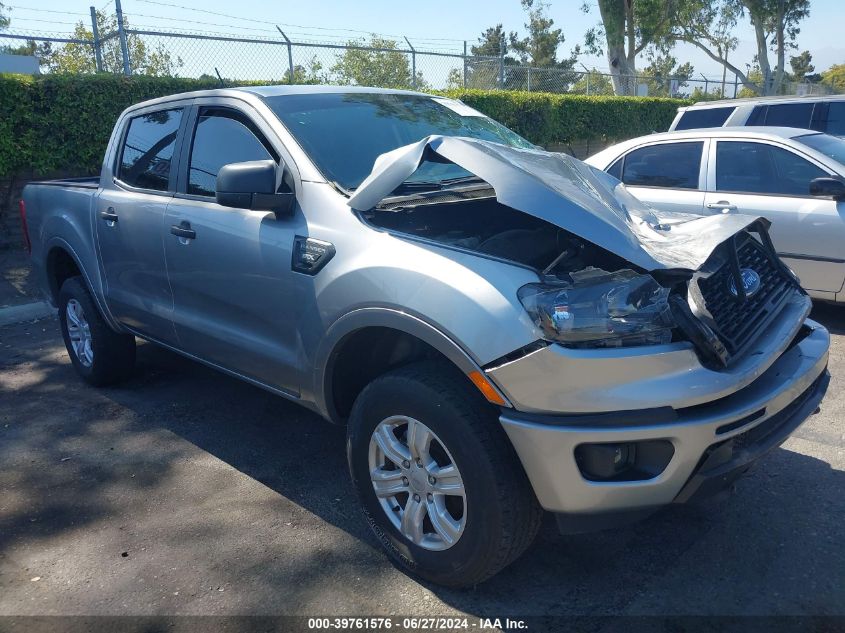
<point>595,308</point>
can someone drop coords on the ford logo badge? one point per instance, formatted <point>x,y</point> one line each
<point>750,282</point>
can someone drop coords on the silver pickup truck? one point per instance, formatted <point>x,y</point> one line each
<point>501,329</point>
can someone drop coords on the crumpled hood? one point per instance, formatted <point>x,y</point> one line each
<point>568,193</point>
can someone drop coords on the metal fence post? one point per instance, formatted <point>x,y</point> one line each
<point>121,32</point>
<point>529,79</point>
<point>413,63</point>
<point>465,64</point>
<point>502,63</point>
<point>98,54</point>
<point>290,55</point>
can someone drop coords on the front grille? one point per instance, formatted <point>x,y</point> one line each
<point>735,319</point>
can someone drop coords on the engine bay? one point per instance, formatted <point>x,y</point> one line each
<point>485,226</point>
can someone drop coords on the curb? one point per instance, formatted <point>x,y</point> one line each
<point>25,312</point>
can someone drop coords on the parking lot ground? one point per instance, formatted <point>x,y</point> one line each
<point>188,492</point>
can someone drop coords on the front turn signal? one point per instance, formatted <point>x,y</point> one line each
<point>487,389</point>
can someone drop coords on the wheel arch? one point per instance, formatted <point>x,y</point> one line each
<point>389,338</point>
<point>61,263</point>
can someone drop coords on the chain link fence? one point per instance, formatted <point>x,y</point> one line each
<point>279,59</point>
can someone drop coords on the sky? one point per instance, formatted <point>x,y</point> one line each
<point>432,24</point>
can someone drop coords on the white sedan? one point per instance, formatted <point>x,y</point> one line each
<point>795,178</point>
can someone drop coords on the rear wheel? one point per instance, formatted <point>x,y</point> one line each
<point>100,355</point>
<point>439,482</point>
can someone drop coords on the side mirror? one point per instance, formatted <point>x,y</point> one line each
<point>253,185</point>
<point>828,186</point>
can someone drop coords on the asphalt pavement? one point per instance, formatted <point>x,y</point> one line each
<point>185,491</point>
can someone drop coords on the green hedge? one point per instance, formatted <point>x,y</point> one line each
<point>547,119</point>
<point>58,123</point>
<point>63,122</point>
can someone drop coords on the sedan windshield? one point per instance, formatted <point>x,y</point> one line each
<point>831,146</point>
<point>344,133</point>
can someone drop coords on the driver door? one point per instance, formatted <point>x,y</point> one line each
<point>230,269</point>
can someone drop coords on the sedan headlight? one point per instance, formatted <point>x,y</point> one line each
<point>595,308</point>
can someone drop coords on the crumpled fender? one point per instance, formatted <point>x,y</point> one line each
<point>568,193</point>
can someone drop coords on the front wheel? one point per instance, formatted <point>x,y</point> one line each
<point>440,484</point>
<point>100,355</point>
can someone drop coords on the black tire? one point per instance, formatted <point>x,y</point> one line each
<point>113,352</point>
<point>502,513</point>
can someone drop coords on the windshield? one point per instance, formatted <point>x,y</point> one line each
<point>830,146</point>
<point>344,133</point>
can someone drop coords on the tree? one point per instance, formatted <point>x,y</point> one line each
<point>593,83</point>
<point>802,66</point>
<point>386,67</point>
<point>80,58</point>
<point>707,24</point>
<point>492,47</point>
<point>308,74</point>
<point>492,43</point>
<point>835,78</point>
<point>455,79</point>
<point>28,48</point>
<point>539,49</point>
<point>660,73</point>
<point>627,28</point>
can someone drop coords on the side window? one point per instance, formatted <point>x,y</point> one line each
<point>615,169</point>
<point>704,117</point>
<point>746,167</point>
<point>674,165</point>
<point>221,137</point>
<point>794,173</point>
<point>790,114</point>
<point>836,118</point>
<point>148,150</point>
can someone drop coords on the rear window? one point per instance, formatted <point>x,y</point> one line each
<point>704,117</point>
<point>672,165</point>
<point>148,150</point>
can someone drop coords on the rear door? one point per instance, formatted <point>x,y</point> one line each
<point>235,294</point>
<point>762,178</point>
<point>130,217</point>
<point>666,175</point>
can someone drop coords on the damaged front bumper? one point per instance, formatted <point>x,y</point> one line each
<point>713,423</point>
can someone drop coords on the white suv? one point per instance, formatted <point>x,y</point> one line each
<point>824,114</point>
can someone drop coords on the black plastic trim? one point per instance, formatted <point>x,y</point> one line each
<point>615,419</point>
<point>813,258</point>
<point>725,461</point>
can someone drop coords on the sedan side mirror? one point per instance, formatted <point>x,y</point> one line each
<point>829,187</point>
<point>253,185</point>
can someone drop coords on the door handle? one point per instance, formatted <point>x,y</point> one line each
<point>109,216</point>
<point>183,231</point>
<point>724,205</point>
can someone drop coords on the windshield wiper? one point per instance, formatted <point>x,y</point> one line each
<point>415,186</point>
<point>461,180</point>
<point>418,185</point>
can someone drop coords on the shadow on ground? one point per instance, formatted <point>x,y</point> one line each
<point>774,547</point>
